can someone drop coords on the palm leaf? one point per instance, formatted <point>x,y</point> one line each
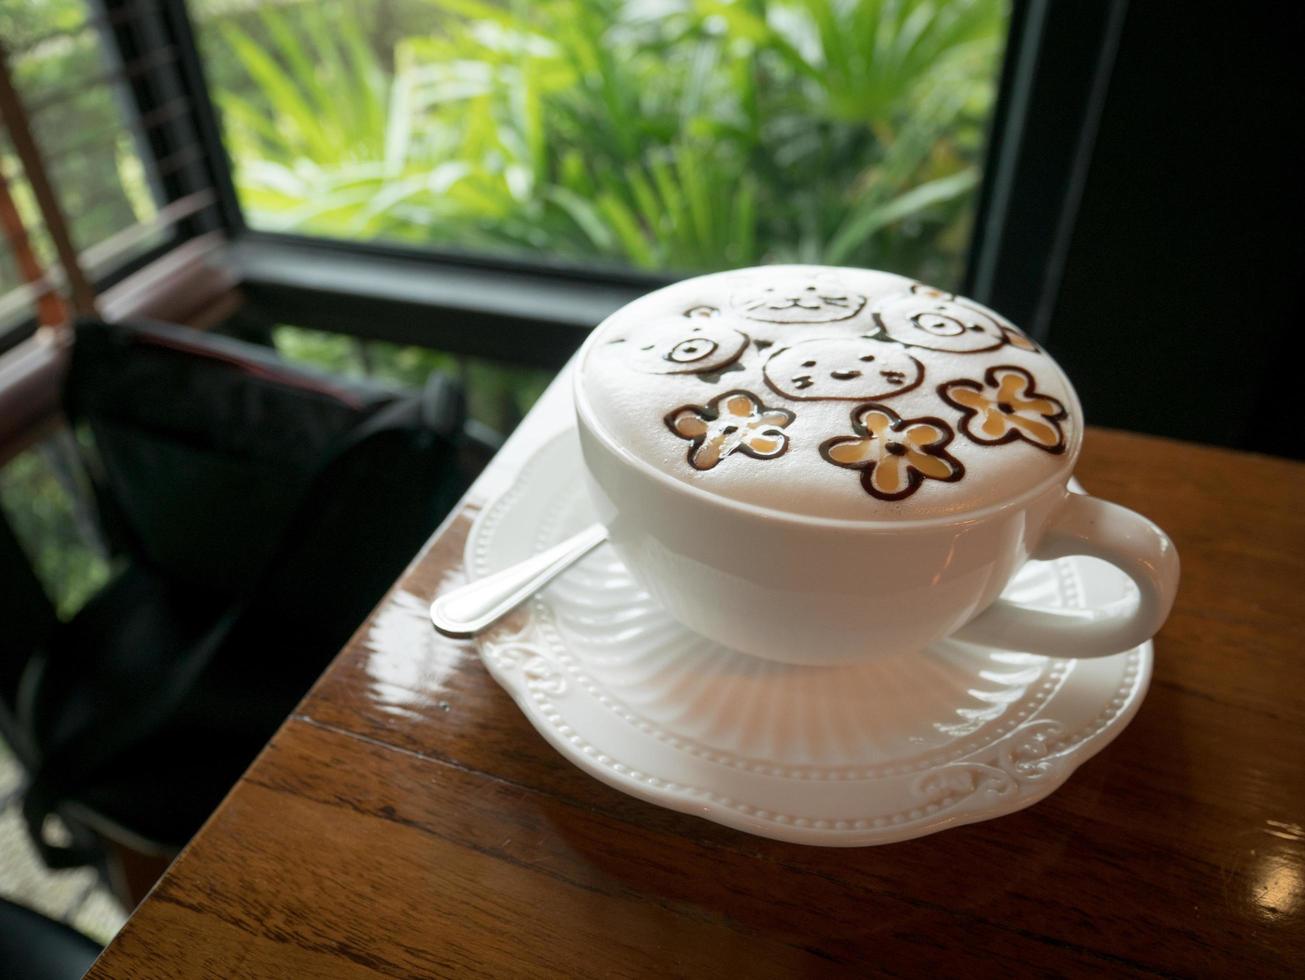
<point>864,222</point>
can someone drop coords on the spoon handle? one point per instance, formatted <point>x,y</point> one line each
<point>469,609</point>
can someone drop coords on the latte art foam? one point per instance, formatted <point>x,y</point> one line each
<point>829,392</point>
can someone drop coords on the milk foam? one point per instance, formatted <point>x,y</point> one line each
<point>830,392</point>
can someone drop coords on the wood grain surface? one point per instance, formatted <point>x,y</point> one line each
<point>407,820</point>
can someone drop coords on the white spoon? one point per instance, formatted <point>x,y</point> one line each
<point>470,608</point>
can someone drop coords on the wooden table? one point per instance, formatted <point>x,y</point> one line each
<point>406,820</point>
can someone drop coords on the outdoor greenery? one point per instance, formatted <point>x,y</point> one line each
<point>80,125</point>
<point>498,394</point>
<point>664,134</point>
<point>45,499</point>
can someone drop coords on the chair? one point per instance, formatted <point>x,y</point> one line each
<point>38,948</point>
<point>260,511</point>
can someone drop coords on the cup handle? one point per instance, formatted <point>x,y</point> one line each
<point>1089,526</point>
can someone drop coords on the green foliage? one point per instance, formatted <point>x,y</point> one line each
<point>57,58</point>
<point>679,134</point>
<point>331,352</point>
<point>42,509</point>
<point>498,395</point>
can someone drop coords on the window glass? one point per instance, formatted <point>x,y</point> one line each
<point>668,135</point>
<point>498,394</point>
<point>48,503</point>
<point>79,109</point>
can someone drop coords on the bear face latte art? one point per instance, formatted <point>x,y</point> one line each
<point>831,393</point>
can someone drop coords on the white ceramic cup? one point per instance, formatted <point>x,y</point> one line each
<point>805,590</point>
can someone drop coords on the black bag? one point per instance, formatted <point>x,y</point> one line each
<point>263,511</point>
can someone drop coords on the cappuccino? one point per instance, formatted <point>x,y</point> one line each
<point>841,394</point>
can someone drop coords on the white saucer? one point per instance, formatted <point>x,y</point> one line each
<point>883,752</point>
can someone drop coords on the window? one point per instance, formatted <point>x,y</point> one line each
<point>492,177</point>
<point>498,395</point>
<point>44,496</point>
<point>73,88</point>
<point>664,135</point>
<point>102,167</point>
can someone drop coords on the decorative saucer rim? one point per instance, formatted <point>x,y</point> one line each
<point>1030,759</point>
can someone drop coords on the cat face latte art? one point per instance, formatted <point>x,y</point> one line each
<point>809,463</point>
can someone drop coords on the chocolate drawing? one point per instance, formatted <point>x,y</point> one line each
<point>930,318</point>
<point>684,345</point>
<point>715,377</point>
<point>1006,406</point>
<point>736,421</point>
<point>1021,341</point>
<point>894,455</point>
<point>792,297</point>
<point>843,369</point>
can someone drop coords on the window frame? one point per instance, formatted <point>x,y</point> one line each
<point>1059,61</point>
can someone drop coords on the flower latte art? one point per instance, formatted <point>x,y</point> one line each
<point>831,393</point>
<point>733,422</point>
<point>894,454</point>
<point>1007,407</point>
